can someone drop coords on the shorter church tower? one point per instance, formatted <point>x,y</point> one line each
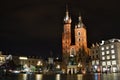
<point>80,36</point>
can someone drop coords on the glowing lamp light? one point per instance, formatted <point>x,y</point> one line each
<point>39,63</point>
<point>95,67</point>
<point>58,66</point>
<point>23,58</point>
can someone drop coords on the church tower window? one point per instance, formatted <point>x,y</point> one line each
<point>79,33</point>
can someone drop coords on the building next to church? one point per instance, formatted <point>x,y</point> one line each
<point>95,58</point>
<point>109,55</point>
<point>74,55</point>
<point>105,56</point>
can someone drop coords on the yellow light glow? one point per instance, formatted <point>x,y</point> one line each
<point>39,76</point>
<point>23,58</point>
<point>39,63</point>
<point>57,76</point>
<point>79,77</point>
<point>58,66</point>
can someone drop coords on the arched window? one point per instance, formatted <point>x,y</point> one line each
<point>79,33</point>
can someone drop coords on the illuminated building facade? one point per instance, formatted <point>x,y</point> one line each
<point>95,58</point>
<point>2,58</point>
<point>109,55</point>
<point>28,60</point>
<point>73,52</point>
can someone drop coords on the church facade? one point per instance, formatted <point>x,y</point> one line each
<point>74,55</point>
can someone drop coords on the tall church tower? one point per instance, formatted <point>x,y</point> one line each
<point>80,36</point>
<point>66,37</point>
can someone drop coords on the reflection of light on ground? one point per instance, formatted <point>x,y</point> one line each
<point>79,77</point>
<point>115,76</point>
<point>71,77</point>
<point>97,76</point>
<point>93,76</point>
<point>39,76</point>
<point>24,77</point>
<point>57,76</point>
<point>110,76</point>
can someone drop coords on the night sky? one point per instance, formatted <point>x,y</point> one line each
<point>34,27</point>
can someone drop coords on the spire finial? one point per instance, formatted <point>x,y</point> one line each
<point>67,18</point>
<point>67,13</point>
<point>80,23</point>
<point>80,18</point>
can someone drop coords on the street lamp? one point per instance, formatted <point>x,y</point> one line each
<point>39,66</point>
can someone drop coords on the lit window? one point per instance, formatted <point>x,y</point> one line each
<point>103,63</point>
<point>103,58</point>
<point>102,48</point>
<point>112,46</point>
<point>113,62</point>
<point>113,56</point>
<point>93,62</point>
<point>108,57</point>
<point>107,52</point>
<point>103,53</point>
<point>108,63</point>
<point>107,47</point>
<point>114,69</point>
<point>112,51</point>
<point>97,62</point>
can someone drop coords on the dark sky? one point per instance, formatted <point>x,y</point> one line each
<point>34,27</point>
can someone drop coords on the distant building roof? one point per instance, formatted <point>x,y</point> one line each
<point>109,41</point>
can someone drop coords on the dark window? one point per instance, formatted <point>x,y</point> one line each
<point>78,33</point>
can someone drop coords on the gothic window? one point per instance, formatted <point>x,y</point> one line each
<point>79,33</point>
<point>79,39</point>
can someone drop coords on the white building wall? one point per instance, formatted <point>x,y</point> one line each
<point>108,61</point>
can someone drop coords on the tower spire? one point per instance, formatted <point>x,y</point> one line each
<point>67,13</point>
<point>67,18</point>
<point>80,23</point>
<point>80,19</point>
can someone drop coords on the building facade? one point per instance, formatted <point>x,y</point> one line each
<point>105,56</point>
<point>73,52</point>
<point>109,55</point>
<point>2,58</point>
<point>95,58</point>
